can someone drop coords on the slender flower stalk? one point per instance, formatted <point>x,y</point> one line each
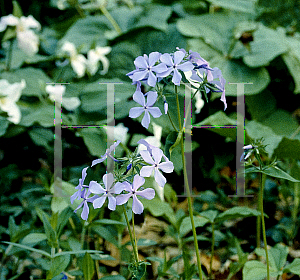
<point>190,207</point>
<point>135,254</point>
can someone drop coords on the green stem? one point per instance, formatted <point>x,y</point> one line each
<point>136,259</point>
<point>135,243</point>
<point>212,248</point>
<point>296,202</point>
<point>111,19</point>
<point>263,223</point>
<point>258,224</point>
<point>52,252</point>
<point>190,207</point>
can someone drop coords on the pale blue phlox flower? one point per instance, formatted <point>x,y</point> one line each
<point>107,154</point>
<point>108,192</point>
<point>145,68</point>
<point>85,195</point>
<point>80,187</point>
<point>132,189</point>
<point>175,64</point>
<point>150,147</point>
<point>155,161</point>
<point>135,112</point>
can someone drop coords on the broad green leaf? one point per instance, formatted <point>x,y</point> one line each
<point>177,142</point>
<point>146,242</point>
<point>58,265</point>
<point>171,139</point>
<point>186,225</point>
<point>267,44</point>
<point>237,212</point>
<point>292,60</point>
<point>109,222</point>
<point>86,32</point>
<point>293,267</point>
<point>88,267</point>
<point>277,255</point>
<point>159,208</point>
<point>245,6</point>
<point>41,136</point>
<point>209,214</point>
<point>34,238</point>
<point>105,234</point>
<point>255,270</point>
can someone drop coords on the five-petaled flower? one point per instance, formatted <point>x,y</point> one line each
<point>108,192</point>
<point>85,195</point>
<point>107,154</point>
<point>28,41</point>
<point>135,112</point>
<point>155,160</point>
<point>174,66</point>
<point>132,189</point>
<point>145,66</point>
<point>9,95</point>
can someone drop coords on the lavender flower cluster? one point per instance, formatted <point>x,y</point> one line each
<point>153,69</point>
<point>119,192</point>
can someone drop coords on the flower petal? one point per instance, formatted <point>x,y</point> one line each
<point>159,178</point>
<point>167,59</point>
<point>123,198</point>
<point>98,203</point>
<point>151,79</point>
<point>136,112</point>
<point>140,62</point>
<point>147,193</point>
<point>112,203</point>
<point>166,167</point>
<point>108,180</point>
<point>85,211</point>
<point>178,56</point>
<point>137,206</point>
<point>155,112</point>
<point>139,97</point>
<point>146,119</point>
<point>147,157</point>
<point>176,77</point>
<point>186,66</point>
<point>151,98</point>
<point>153,58</point>
<point>157,154</point>
<point>95,187</point>
<point>138,181</point>
<point>146,171</point>
<point>96,161</point>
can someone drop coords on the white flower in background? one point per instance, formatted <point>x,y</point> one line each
<point>9,95</point>
<point>80,64</point>
<point>152,140</point>
<point>56,93</point>
<point>93,58</point>
<point>78,61</point>
<point>119,132</point>
<point>28,41</point>
<point>199,104</point>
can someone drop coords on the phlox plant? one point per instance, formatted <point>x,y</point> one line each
<point>156,72</point>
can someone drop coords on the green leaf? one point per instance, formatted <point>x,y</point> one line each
<point>292,60</point>
<point>209,214</point>
<point>63,219</point>
<point>58,265</point>
<point>50,233</point>
<point>78,252</point>
<point>159,208</point>
<point>146,242</point>
<point>34,238</point>
<point>293,267</point>
<point>41,136</point>
<point>244,6</point>
<point>237,212</point>
<point>177,142</point>
<point>267,44</point>
<point>17,11</point>
<point>171,139</point>
<point>186,225</point>
<point>28,248</point>
<point>88,267</point>
<point>255,270</point>
<point>109,222</point>
<point>4,123</point>
<point>86,32</point>
<point>276,172</point>
<point>105,233</point>
<point>277,256</point>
